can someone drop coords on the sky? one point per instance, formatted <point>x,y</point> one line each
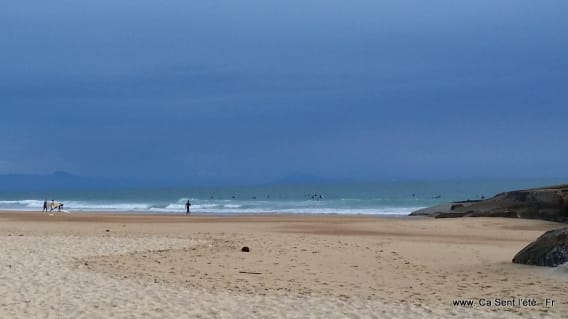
<point>256,91</point>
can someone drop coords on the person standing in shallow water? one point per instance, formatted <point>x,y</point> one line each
<point>187,204</point>
<point>44,206</point>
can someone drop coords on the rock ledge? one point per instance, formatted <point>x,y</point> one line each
<point>547,203</point>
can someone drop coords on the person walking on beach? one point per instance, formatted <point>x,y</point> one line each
<point>187,204</point>
<point>44,206</point>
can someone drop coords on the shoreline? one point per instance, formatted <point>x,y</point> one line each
<point>125,265</point>
<point>202,214</point>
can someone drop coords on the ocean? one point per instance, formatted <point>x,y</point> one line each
<point>385,198</point>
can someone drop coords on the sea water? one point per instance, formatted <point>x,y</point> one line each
<point>385,198</point>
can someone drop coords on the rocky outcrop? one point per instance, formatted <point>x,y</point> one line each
<point>550,249</point>
<point>547,203</point>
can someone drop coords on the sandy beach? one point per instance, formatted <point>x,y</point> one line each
<point>299,266</point>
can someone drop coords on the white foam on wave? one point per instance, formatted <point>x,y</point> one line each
<point>170,206</point>
<point>24,202</point>
<point>232,206</point>
<point>81,205</point>
<point>216,207</point>
<point>32,204</point>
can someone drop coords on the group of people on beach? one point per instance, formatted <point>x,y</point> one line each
<point>53,205</point>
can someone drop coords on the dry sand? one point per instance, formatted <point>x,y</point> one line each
<point>126,266</point>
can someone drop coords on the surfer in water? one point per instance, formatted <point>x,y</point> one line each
<point>187,204</point>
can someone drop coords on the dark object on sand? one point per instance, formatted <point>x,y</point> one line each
<point>546,203</point>
<point>245,249</point>
<point>550,249</point>
<point>250,272</point>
